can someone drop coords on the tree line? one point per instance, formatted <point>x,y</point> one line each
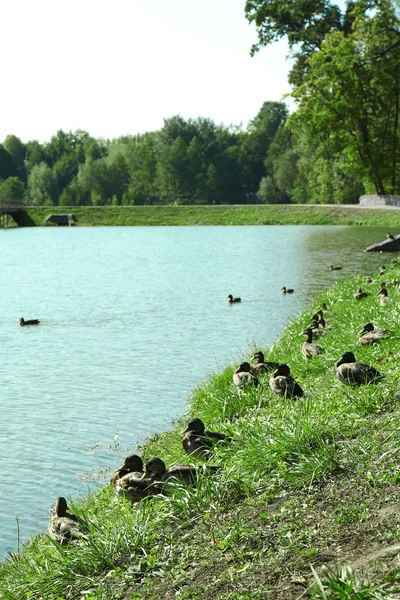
<point>341,141</point>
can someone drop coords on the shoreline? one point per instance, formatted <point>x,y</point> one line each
<point>260,214</point>
<point>303,483</point>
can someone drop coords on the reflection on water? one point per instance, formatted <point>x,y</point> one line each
<point>122,309</point>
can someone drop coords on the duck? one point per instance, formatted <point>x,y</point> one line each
<point>243,376</point>
<point>382,270</point>
<point>351,372</point>
<point>129,482</point>
<point>198,442</point>
<point>232,300</point>
<point>158,473</point>
<point>65,527</point>
<point>332,268</point>
<point>317,331</point>
<point>384,298</point>
<point>260,366</point>
<point>309,349</point>
<point>369,279</point>
<point>282,383</point>
<point>22,322</point>
<point>360,294</point>
<point>287,291</point>
<point>371,335</point>
<point>390,236</point>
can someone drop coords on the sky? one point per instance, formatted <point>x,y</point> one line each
<point>120,67</point>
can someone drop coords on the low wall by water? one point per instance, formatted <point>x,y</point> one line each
<point>380,200</point>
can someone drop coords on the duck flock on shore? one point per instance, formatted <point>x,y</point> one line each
<point>134,480</point>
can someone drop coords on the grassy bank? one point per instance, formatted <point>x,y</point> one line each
<point>305,505</point>
<point>225,215</point>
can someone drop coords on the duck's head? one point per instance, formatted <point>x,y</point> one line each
<point>61,507</point>
<point>155,466</point>
<point>21,321</point>
<point>347,357</point>
<point>367,328</point>
<point>383,292</point>
<point>244,366</point>
<point>230,297</point>
<point>307,331</point>
<point>195,425</point>
<point>258,356</point>
<point>324,306</point>
<point>133,463</point>
<point>283,370</point>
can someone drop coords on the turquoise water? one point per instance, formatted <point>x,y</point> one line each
<point>131,320</point>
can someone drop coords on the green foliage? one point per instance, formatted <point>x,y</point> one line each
<point>12,187</point>
<point>43,185</point>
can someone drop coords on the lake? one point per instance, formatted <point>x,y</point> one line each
<point>131,320</point>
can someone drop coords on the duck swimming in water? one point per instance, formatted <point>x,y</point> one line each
<point>370,335</point>
<point>310,349</point>
<point>232,300</point>
<point>332,268</point>
<point>282,383</point>
<point>22,322</point>
<point>287,291</point>
<point>243,376</point>
<point>198,442</point>
<point>63,526</point>
<point>351,372</point>
<point>260,366</point>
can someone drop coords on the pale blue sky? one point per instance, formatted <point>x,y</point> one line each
<point>120,67</point>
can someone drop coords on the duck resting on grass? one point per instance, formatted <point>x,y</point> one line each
<point>232,300</point>
<point>260,366</point>
<point>22,322</point>
<point>310,349</point>
<point>243,376</point>
<point>157,472</point>
<point>351,372</point>
<point>63,526</point>
<point>198,442</point>
<point>383,297</point>
<point>371,335</point>
<point>282,383</point>
<point>359,295</point>
<point>130,483</point>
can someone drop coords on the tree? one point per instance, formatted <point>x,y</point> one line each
<point>12,187</point>
<point>350,97</point>
<point>43,188</point>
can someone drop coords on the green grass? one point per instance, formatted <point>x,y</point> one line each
<point>225,215</point>
<point>305,505</point>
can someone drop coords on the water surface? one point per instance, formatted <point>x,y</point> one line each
<point>131,319</point>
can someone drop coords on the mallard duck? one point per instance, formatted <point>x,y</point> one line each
<point>369,280</point>
<point>317,331</point>
<point>309,349</point>
<point>243,376</point>
<point>351,372</point>
<point>198,442</point>
<point>382,270</point>
<point>130,483</point>
<point>360,294</point>
<point>63,526</point>
<point>22,322</point>
<point>370,335</point>
<point>282,383</point>
<point>232,300</point>
<point>158,473</point>
<point>332,268</point>
<point>287,291</point>
<point>390,236</point>
<point>260,366</point>
<point>383,297</point>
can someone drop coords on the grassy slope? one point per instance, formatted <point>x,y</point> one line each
<point>226,215</point>
<point>305,483</point>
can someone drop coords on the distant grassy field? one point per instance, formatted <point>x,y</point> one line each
<point>224,215</point>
